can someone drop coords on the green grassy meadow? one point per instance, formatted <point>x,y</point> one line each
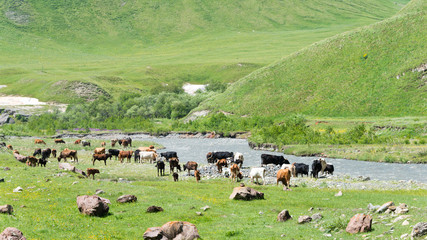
<point>47,209</point>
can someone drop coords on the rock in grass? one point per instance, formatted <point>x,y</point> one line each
<point>180,230</point>
<point>317,216</point>
<point>385,206</point>
<point>99,191</point>
<point>154,233</point>
<point>284,216</point>
<point>12,233</point>
<point>127,198</point>
<point>205,208</point>
<point>153,209</point>
<point>359,223</point>
<point>18,189</point>
<point>246,193</point>
<point>92,205</point>
<point>67,166</point>
<point>405,223</point>
<point>420,229</point>
<point>304,219</point>
<point>6,209</point>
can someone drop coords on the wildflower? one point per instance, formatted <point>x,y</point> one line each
<point>365,56</point>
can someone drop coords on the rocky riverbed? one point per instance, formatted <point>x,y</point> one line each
<point>338,181</point>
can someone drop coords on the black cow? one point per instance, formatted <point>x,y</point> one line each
<point>38,151</point>
<point>85,143</point>
<point>301,168</point>
<point>213,157</point>
<point>2,144</point>
<point>167,155</point>
<point>273,159</point>
<point>160,165</point>
<point>42,162</point>
<point>329,169</point>
<point>316,167</point>
<point>114,152</point>
<point>46,153</point>
<point>137,157</point>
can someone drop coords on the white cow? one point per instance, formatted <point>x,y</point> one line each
<point>257,172</point>
<point>291,168</point>
<point>238,158</point>
<point>152,156</point>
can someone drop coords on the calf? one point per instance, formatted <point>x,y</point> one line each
<point>39,141</point>
<point>175,177</point>
<point>137,158</point>
<point>301,168</point>
<point>125,154</point>
<point>190,165</point>
<point>160,165</point>
<point>273,159</point>
<point>114,152</point>
<point>220,164</point>
<point>197,175</point>
<point>291,168</point>
<point>257,172</point>
<point>53,153</point>
<point>42,162</point>
<point>168,155</point>
<point>100,150</point>
<point>32,161</point>
<point>174,163</point>
<point>284,176</point>
<point>92,171</point>
<point>100,157</point>
<point>213,157</point>
<point>38,151</point>
<point>59,141</point>
<point>234,171</point>
<point>67,153</point>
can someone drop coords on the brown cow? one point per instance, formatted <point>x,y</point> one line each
<point>175,177</point>
<point>9,147</point>
<point>221,163</point>
<point>125,143</point>
<point>125,154</point>
<point>113,142</point>
<point>173,163</point>
<point>67,153</point>
<point>100,150</point>
<point>78,141</point>
<point>197,175</point>
<point>100,157</point>
<point>190,166</point>
<point>39,141</point>
<point>59,140</point>
<point>234,172</point>
<point>54,153</point>
<point>92,171</point>
<point>103,144</point>
<point>32,161</point>
<point>284,176</point>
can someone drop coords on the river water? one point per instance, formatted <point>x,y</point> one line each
<point>195,149</point>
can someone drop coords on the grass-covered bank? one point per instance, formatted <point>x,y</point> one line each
<point>47,209</point>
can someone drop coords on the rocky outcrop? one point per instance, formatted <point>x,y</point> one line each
<point>12,233</point>
<point>173,230</point>
<point>246,193</point>
<point>92,205</point>
<point>359,223</point>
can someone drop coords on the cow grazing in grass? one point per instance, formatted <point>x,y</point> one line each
<point>53,153</point>
<point>125,154</point>
<point>32,161</point>
<point>78,141</point>
<point>257,172</point>
<point>59,140</point>
<point>38,151</point>
<point>39,141</point>
<point>284,176</point>
<point>42,162</point>
<point>114,152</point>
<point>92,171</point>
<point>174,163</point>
<point>87,144</point>
<point>67,153</point>
<point>234,171</point>
<point>197,175</point>
<point>220,164</point>
<point>190,165</point>
<point>100,157</point>
<point>46,153</point>
<point>160,165</point>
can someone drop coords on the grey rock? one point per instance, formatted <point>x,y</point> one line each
<point>154,233</point>
<point>67,166</point>
<point>18,189</point>
<point>385,206</point>
<point>179,230</point>
<point>304,219</point>
<point>400,218</point>
<point>127,198</point>
<point>316,216</point>
<point>99,191</point>
<point>400,210</point>
<point>284,216</point>
<point>6,209</point>
<point>246,193</point>
<point>420,229</point>
<point>405,223</point>
<point>12,233</point>
<point>154,209</point>
<point>92,205</point>
<point>359,223</point>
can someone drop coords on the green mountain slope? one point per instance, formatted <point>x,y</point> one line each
<point>371,71</point>
<point>136,45</point>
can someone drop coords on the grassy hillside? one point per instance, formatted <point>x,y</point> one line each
<point>136,45</point>
<point>366,72</point>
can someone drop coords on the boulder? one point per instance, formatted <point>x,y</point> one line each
<point>179,230</point>
<point>283,216</point>
<point>246,193</point>
<point>359,223</point>
<point>420,229</point>
<point>316,216</point>
<point>304,219</point>
<point>385,206</point>
<point>6,209</point>
<point>153,209</point>
<point>67,166</point>
<point>127,198</point>
<point>154,233</point>
<point>12,233</point>
<point>92,205</point>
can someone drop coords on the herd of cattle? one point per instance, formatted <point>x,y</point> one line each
<point>220,159</point>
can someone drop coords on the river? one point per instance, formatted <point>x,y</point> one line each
<point>195,149</point>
